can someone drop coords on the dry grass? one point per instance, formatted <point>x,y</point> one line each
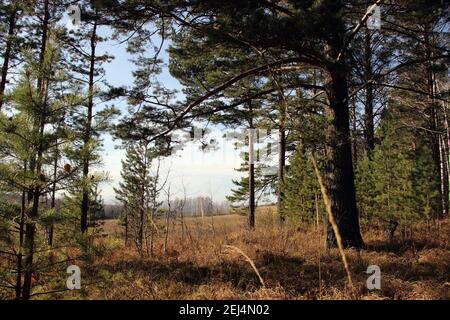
<point>199,266</point>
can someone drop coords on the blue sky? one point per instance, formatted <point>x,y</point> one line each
<point>201,173</point>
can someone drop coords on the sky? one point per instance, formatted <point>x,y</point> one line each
<point>199,173</point>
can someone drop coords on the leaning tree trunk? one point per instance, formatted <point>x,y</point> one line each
<point>341,184</point>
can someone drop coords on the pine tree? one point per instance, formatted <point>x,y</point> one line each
<point>39,102</point>
<point>89,121</point>
<point>365,188</point>
<point>274,37</point>
<point>137,192</point>
<point>301,189</point>
<point>397,186</point>
<point>239,197</point>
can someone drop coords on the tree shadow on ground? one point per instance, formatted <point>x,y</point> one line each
<point>400,247</point>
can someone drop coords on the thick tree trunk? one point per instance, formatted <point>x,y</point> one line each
<point>88,133</point>
<point>341,184</point>
<point>7,53</point>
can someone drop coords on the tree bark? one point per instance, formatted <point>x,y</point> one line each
<point>437,137</point>
<point>126,224</point>
<point>341,184</point>
<point>354,131</point>
<point>53,200</point>
<point>251,170</point>
<point>23,209</point>
<point>142,206</point>
<point>281,160</point>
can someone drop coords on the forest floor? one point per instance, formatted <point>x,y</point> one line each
<point>293,264</point>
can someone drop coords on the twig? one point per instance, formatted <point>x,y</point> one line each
<point>333,223</point>
<point>249,261</point>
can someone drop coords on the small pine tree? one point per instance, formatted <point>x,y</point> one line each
<point>138,192</point>
<point>424,182</point>
<point>397,185</point>
<point>301,188</point>
<point>239,196</point>
<point>365,189</point>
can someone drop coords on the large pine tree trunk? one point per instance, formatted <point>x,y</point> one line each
<point>341,184</point>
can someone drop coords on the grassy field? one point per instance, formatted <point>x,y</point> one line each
<point>292,262</point>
